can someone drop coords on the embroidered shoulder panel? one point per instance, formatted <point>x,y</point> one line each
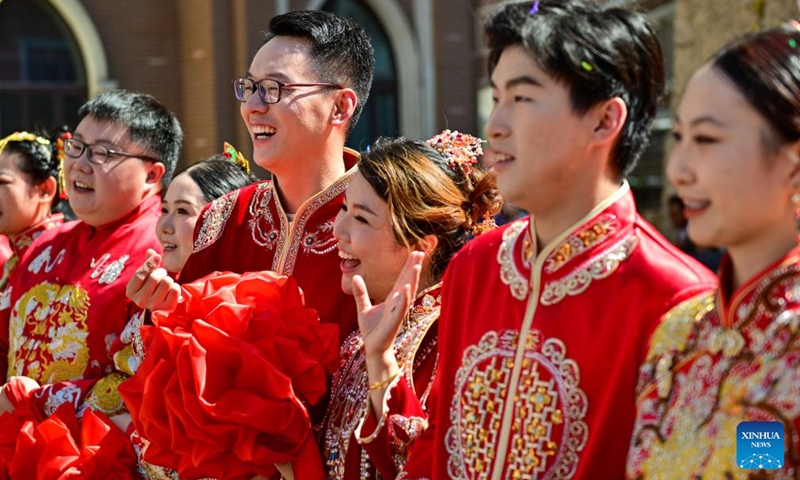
<point>263,228</point>
<point>510,273</point>
<point>214,220</point>
<point>548,428</point>
<point>589,236</point>
<point>596,268</point>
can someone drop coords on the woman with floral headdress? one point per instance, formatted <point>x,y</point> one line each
<point>32,198</point>
<point>408,210</point>
<point>732,355</point>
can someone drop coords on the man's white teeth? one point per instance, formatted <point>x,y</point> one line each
<point>345,256</point>
<point>262,131</point>
<point>502,157</point>
<point>169,246</point>
<point>82,186</point>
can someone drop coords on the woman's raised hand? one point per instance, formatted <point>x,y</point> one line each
<point>380,323</point>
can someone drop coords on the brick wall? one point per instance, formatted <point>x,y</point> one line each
<point>141,46</point>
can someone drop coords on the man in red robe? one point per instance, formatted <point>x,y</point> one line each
<point>301,98</point>
<point>545,322</point>
<point>68,304</point>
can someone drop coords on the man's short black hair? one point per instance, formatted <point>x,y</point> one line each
<point>597,52</point>
<point>150,124</point>
<point>340,49</point>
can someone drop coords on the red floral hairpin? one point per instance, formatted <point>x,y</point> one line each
<point>459,149</point>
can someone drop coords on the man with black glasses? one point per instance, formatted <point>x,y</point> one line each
<point>300,100</point>
<point>68,305</point>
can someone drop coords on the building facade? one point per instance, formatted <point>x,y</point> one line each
<point>430,62</point>
<point>186,52</point>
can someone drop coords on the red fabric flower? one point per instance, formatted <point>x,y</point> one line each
<point>62,447</point>
<point>228,375</point>
<point>10,426</point>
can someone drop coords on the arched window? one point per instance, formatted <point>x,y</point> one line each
<point>380,115</point>
<point>42,80</point>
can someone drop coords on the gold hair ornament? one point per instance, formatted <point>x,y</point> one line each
<point>235,156</point>
<point>31,137</point>
<point>23,137</point>
<point>62,154</point>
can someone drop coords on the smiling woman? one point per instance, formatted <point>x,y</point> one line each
<point>191,190</point>
<point>732,355</point>
<point>406,197</point>
<point>30,200</point>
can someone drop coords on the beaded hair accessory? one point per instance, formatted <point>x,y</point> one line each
<point>30,137</point>
<point>23,137</point>
<point>459,149</point>
<point>235,156</point>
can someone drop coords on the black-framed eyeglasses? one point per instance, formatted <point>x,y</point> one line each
<point>98,154</point>
<point>269,90</point>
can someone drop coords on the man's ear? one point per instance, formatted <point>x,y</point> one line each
<point>609,118</point>
<point>344,107</point>
<point>155,173</point>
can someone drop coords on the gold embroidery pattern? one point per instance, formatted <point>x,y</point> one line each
<point>349,392</point>
<point>48,333</point>
<point>672,336</point>
<point>262,223</point>
<point>104,397</point>
<point>214,220</point>
<point>602,228</point>
<point>126,361</point>
<point>597,268</point>
<point>548,428</point>
<point>701,384</point>
<point>510,275</point>
<point>298,232</point>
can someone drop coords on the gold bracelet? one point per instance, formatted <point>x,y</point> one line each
<point>382,384</point>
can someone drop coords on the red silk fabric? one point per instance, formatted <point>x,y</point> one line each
<point>62,447</point>
<point>228,376</point>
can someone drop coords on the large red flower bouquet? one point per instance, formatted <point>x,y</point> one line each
<point>62,447</point>
<point>228,377</point>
